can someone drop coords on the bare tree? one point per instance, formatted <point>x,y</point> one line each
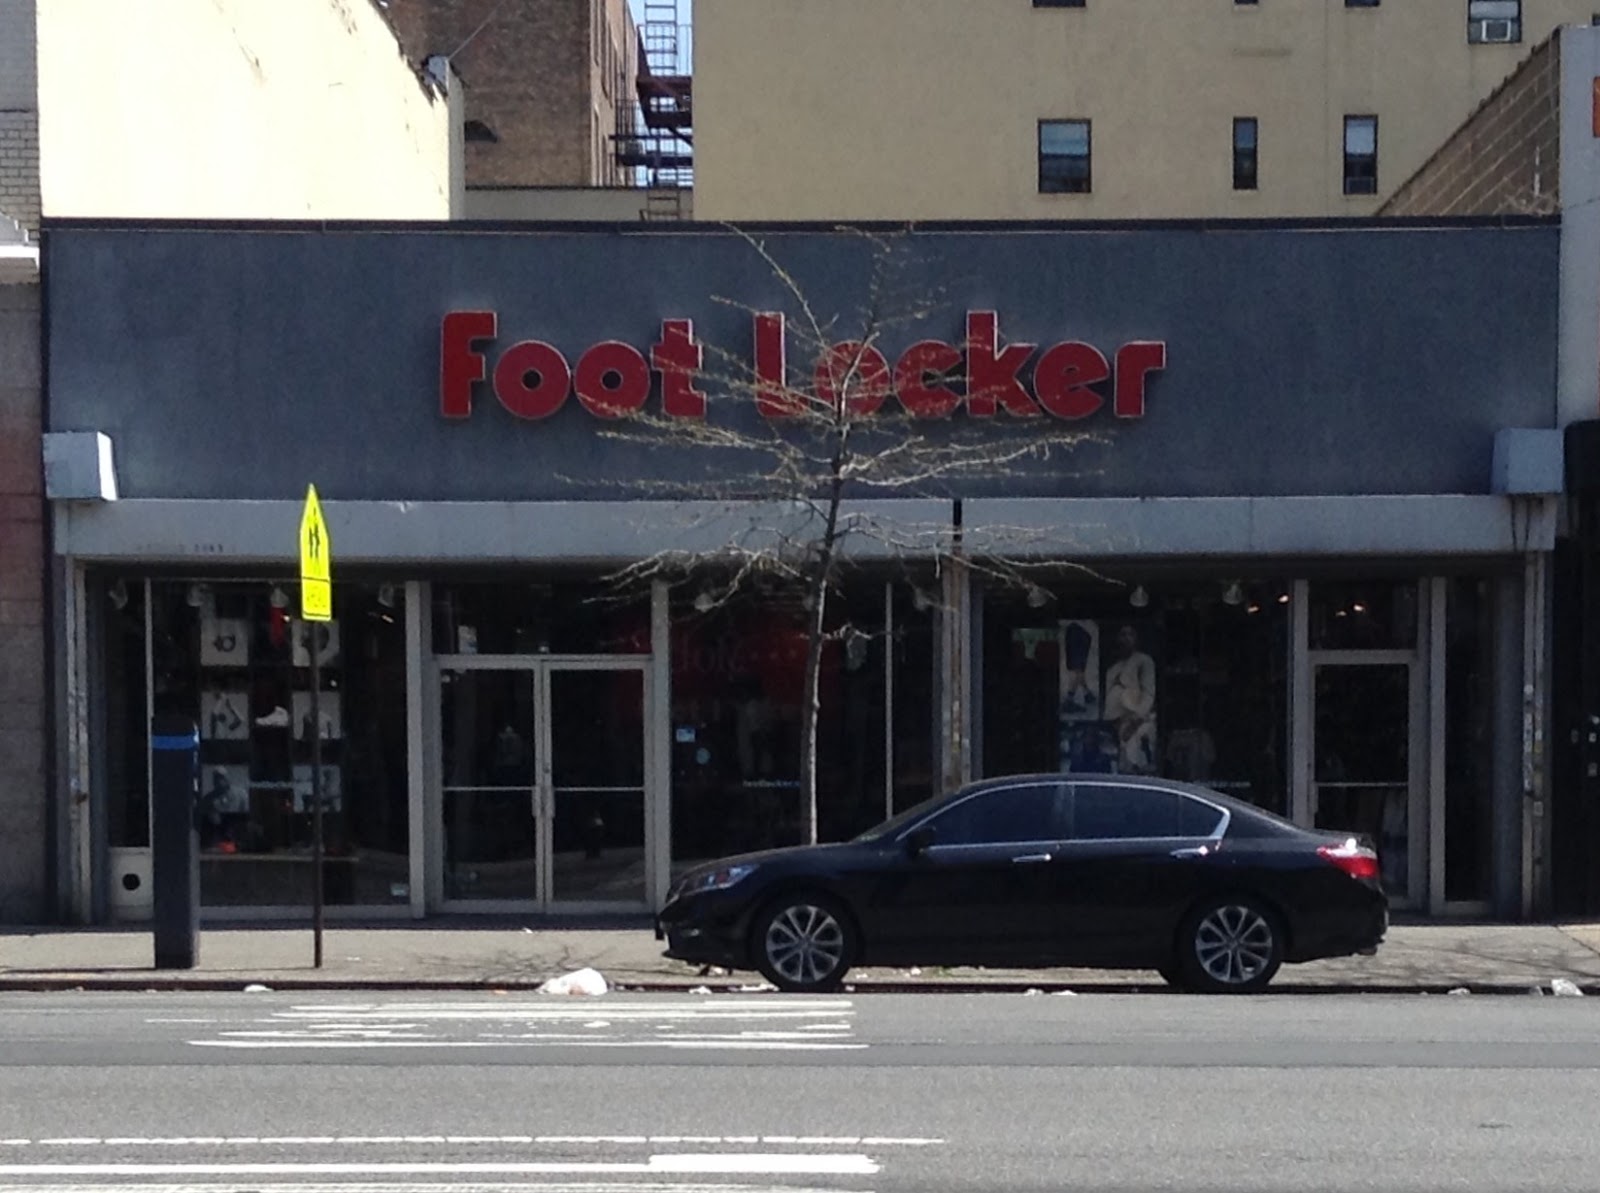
<point>850,426</point>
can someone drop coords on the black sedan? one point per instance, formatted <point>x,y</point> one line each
<point>1103,872</point>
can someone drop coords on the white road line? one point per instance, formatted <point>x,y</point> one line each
<point>725,1163</point>
<point>409,1186</point>
<point>748,1045</point>
<point>383,1140</point>
<point>701,1003</point>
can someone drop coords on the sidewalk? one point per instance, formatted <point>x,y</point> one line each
<point>1484,958</point>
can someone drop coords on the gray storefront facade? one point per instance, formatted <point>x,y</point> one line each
<point>1299,553</point>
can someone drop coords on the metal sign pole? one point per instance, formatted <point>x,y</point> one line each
<point>312,636</point>
<point>316,609</point>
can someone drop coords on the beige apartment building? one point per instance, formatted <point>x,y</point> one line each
<point>1088,109</point>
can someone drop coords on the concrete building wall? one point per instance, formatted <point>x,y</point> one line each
<point>1505,159</point>
<point>24,799</point>
<point>544,77</point>
<point>928,109</point>
<point>201,108</point>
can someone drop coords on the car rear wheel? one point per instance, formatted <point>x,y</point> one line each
<point>803,943</point>
<point>1231,945</point>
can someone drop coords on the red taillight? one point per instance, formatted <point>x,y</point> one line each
<point>1352,857</point>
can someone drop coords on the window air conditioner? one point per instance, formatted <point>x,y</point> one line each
<point>1494,31</point>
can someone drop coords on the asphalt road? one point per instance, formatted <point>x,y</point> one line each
<point>880,1092</point>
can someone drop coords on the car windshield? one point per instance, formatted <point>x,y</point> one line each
<point>900,819</point>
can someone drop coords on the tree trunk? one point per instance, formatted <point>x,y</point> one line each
<point>811,705</point>
<point>811,702</point>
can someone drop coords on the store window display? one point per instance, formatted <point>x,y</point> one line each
<point>1189,681</point>
<point>738,684</point>
<point>231,656</point>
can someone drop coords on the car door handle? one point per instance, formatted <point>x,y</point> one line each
<point>1032,857</point>
<point>1193,851</point>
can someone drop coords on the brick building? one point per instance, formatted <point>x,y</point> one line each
<point>548,83</point>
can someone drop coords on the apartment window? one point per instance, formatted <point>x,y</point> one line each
<point>1064,157</point>
<point>1242,3</point>
<point>1494,21</point>
<point>1361,3</point>
<point>1058,3</point>
<point>1360,155</point>
<point>1245,131</point>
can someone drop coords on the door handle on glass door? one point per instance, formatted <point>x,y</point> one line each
<point>1032,857</point>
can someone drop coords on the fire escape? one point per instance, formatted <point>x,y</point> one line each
<point>656,139</point>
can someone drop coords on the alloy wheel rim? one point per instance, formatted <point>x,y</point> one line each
<point>1233,944</point>
<point>805,943</point>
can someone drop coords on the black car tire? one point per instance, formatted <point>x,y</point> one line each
<point>803,943</point>
<point>1232,944</point>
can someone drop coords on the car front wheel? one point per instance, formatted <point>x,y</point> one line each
<point>1231,945</point>
<point>803,943</point>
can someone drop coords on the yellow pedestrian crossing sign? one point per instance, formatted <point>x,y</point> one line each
<point>316,562</point>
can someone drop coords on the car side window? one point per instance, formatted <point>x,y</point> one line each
<point>1107,812</point>
<point>1004,816</point>
<point>1196,818</point>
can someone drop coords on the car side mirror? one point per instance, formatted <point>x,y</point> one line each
<point>918,840</point>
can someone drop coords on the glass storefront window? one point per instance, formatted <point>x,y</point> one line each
<point>1469,740</point>
<point>1363,615</point>
<point>913,696</point>
<point>738,673</point>
<point>1191,684</point>
<point>563,616</point>
<point>230,656</point>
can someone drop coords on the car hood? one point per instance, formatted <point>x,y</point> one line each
<point>767,857</point>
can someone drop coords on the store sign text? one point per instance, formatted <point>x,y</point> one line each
<point>931,379</point>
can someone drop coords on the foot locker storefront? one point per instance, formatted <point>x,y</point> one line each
<point>1295,548</point>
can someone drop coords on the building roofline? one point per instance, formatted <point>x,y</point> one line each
<point>709,227</point>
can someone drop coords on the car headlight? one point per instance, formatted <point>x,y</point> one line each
<point>714,880</point>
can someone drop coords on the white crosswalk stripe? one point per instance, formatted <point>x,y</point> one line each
<point>732,1023</point>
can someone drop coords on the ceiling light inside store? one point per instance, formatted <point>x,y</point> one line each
<point>703,602</point>
<point>386,595</point>
<point>195,596</point>
<point>1038,598</point>
<point>119,595</point>
<point>1283,598</point>
<point>1233,594</point>
<point>279,599</point>
<point>1139,598</point>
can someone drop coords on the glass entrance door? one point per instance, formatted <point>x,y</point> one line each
<point>1363,756</point>
<point>543,783</point>
<point>596,785</point>
<point>490,764</point>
